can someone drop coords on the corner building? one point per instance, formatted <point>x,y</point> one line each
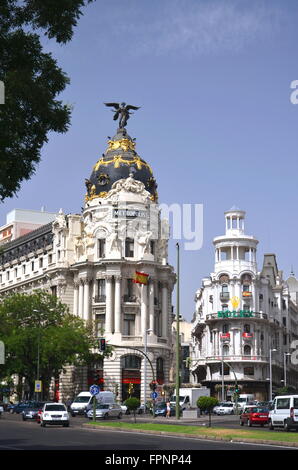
<point>89,261</point>
<point>241,314</point>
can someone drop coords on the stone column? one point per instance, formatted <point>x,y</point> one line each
<point>151,305</point>
<point>109,305</point>
<point>76,298</point>
<point>81,299</point>
<point>118,304</point>
<point>165,310</point>
<point>144,308</point>
<point>86,299</point>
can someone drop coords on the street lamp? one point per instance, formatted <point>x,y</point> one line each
<point>222,376</point>
<point>145,365</point>
<point>270,373</point>
<point>285,367</point>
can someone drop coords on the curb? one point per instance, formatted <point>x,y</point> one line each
<point>195,436</point>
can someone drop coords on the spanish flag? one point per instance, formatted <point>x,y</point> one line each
<point>141,278</point>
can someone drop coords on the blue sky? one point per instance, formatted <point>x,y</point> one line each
<point>216,122</point>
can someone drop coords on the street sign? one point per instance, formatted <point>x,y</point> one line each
<point>94,390</point>
<point>38,386</point>
<point>154,395</point>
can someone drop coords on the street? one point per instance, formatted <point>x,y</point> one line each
<point>16,434</point>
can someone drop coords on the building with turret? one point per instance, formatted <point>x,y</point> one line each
<point>242,314</point>
<point>109,264</point>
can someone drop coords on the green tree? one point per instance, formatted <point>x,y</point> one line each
<point>207,404</point>
<point>40,333</point>
<point>132,404</point>
<point>32,82</point>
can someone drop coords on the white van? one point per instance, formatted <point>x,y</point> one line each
<point>244,399</point>
<point>83,402</point>
<point>284,412</point>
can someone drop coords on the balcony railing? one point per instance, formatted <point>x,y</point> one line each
<point>251,358</point>
<point>99,299</point>
<point>224,296</point>
<point>129,298</point>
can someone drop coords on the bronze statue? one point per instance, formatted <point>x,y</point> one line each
<point>122,110</point>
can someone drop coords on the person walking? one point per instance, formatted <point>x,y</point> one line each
<point>168,409</point>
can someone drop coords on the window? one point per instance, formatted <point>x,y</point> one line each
<point>40,262</point>
<point>248,371</point>
<point>226,370</point>
<point>100,324</point>
<point>285,340</point>
<point>225,350</point>
<point>24,269</point>
<point>225,328</point>
<point>282,403</point>
<point>131,362</point>
<point>7,275</point>
<point>54,291</point>
<point>32,266</point>
<point>246,307</point>
<point>160,370</point>
<point>101,248</point>
<point>225,307</point>
<point>247,350</point>
<point>16,272</point>
<point>246,328</point>
<point>284,321</point>
<point>101,290</point>
<point>152,247</point>
<point>129,248</point>
<point>129,324</point>
<point>50,259</point>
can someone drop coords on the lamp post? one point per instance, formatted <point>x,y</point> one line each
<point>285,367</point>
<point>222,376</point>
<point>177,336</point>
<point>145,366</point>
<point>270,372</point>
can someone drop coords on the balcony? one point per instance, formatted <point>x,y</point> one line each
<point>225,336</point>
<point>246,294</point>
<point>129,298</point>
<point>224,296</point>
<point>242,358</point>
<point>99,299</point>
<point>247,335</point>
<point>242,314</point>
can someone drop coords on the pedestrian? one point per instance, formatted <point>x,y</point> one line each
<point>168,409</point>
<point>68,403</point>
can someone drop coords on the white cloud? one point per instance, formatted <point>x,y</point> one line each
<point>194,27</point>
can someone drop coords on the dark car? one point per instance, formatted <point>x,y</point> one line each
<point>32,411</point>
<point>20,407</point>
<point>161,410</point>
<point>254,415</point>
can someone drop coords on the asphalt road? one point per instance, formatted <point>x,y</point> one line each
<point>18,435</point>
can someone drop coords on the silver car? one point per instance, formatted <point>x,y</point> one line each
<point>106,411</point>
<point>225,409</point>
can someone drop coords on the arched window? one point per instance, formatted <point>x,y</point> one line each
<point>246,328</point>
<point>225,350</point>
<point>247,350</point>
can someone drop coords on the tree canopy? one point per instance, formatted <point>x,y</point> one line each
<point>32,82</point>
<point>38,326</point>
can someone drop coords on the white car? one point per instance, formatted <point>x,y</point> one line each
<point>106,411</point>
<point>284,412</point>
<point>225,409</point>
<point>54,413</point>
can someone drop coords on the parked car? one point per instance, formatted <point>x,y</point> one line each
<point>23,405</point>
<point>216,407</point>
<point>31,411</point>
<point>161,409</point>
<point>254,415</point>
<point>54,413</point>
<point>226,408</point>
<point>106,411</point>
<point>126,411</point>
<point>284,412</point>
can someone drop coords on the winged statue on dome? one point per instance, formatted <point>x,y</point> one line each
<point>122,112</point>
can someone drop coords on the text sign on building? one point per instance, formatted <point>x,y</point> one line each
<point>129,214</point>
<point>234,314</point>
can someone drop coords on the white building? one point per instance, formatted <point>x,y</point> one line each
<point>89,261</point>
<point>241,314</point>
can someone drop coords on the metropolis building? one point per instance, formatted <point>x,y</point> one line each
<point>90,260</point>
<point>243,316</point>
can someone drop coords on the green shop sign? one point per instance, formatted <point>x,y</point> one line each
<point>234,314</point>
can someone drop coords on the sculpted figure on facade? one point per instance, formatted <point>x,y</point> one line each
<point>143,239</point>
<point>60,221</point>
<point>79,249</point>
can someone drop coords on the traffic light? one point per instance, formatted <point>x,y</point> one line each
<point>102,344</point>
<point>153,385</point>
